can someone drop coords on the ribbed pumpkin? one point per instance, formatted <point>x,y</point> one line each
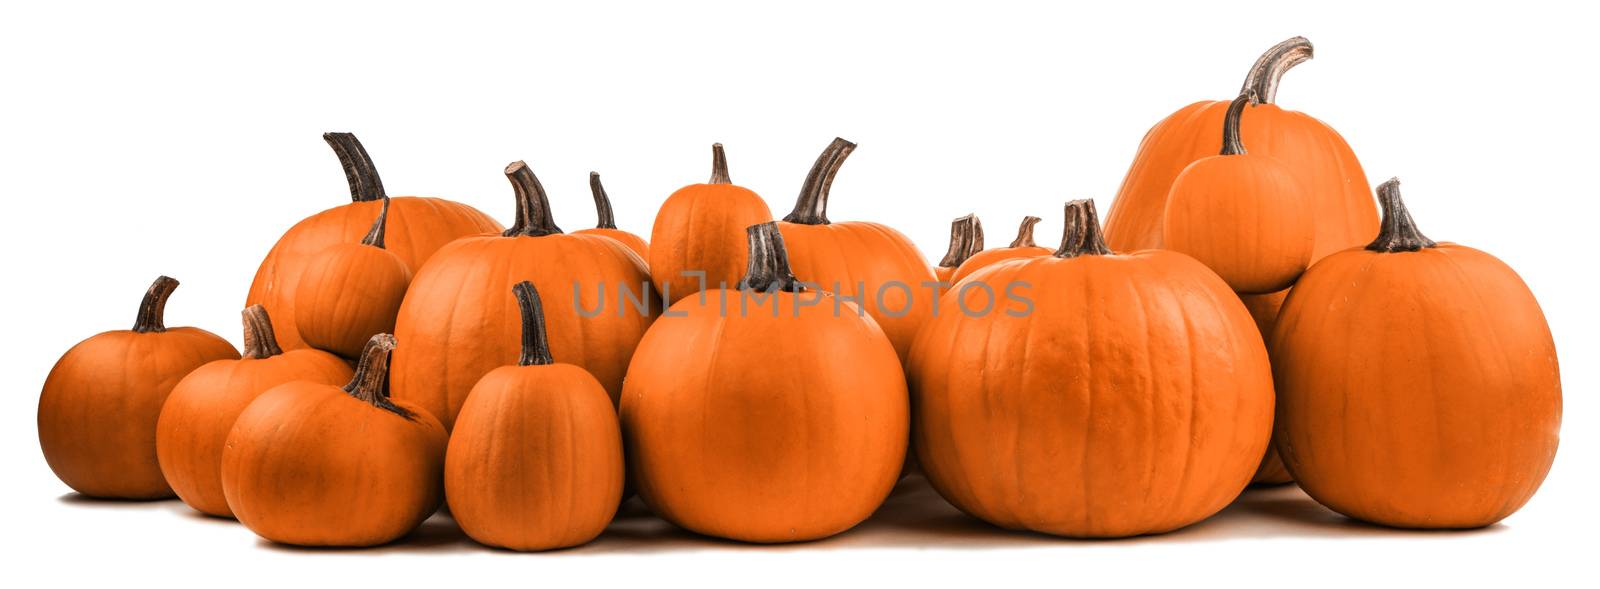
<point>1131,396</point>
<point>607,225</point>
<point>966,240</point>
<point>1417,382</point>
<point>698,238</point>
<point>1264,309</point>
<point>350,292</point>
<point>1327,168</point>
<point>312,464</point>
<point>535,461</point>
<point>766,414</point>
<point>458,323</point>
<point>197,416</point>
<point>870,263</point>
<point>100,404</point>
<point>417,227</point>
<point>1021,247</point>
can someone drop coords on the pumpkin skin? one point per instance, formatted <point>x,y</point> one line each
<point>1327,168</point>
<point>1021,247</point>
<point>607,226</point>
<point>700,228</point>
<point>869,263</point>
<point>535,461</point>
<point>1418,382</point>
<point>768,422</point>
<point>459,324</point>
<point>1264,309</point>
<point>311,464</point>
<point>197,416</point>
<point>966,240</point>
<point>99,406</point>
<point>351,292</point>
<point>418,226</point>
<point>1134,398</point>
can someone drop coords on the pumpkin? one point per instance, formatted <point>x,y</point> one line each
<point>1119,394</point>
<point>765,414</point>
<point>417,227</point>
<point>458,324</point>
<point>1021,247</point>
<point>1244,215</point>
<point>698,237</point>
<point>1264,309</point>
<point>1326,167</point>
<point>350,292</point>
<point>870,263</point>
<point>1417,381</point>
<point>313,464</point>
<point>607,227</point>
<point>99,406</point>
<point>966,240</point>
<point>535,460</point>
<point>197,416</point>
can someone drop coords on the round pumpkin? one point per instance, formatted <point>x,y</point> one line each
<point>765,414</point>
<point>1021,247</point>
<point>1417,381</point>
<point>417,227</point>
<point>350,292</point>
<point>458,324</point>
<point>1116,395</point>
<point>100,404</point>
<point>313,464</point>
<point>535,461</point>
<point>1264,309</point>
<point>698,237</point>
<point>966,240</point>
<point>607,227</point>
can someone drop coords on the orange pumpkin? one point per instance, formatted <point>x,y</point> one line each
<point>1264,309</point>
<point>312,464</point>
<point>1129,395</point>
<point>1243,215</point>
<point>535,461</point>
<point>1326,167</point>
<point>699,234</point>
<point>765,414</point>
<point>197,416</point>
<point>458,324</point>
<point>966,240</point>
<point>417,227</point>
<point>607,227</point>
<point>350,292</point>
<point>1417,382</point>
<point>100,404</point>
<point>1021,247</point>
<point>870,263</point>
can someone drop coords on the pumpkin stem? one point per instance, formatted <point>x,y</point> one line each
<point>812,206</point>
<point>371,381</point>
<point>1399,233</point>
<point>1231,144</point>
<point>535,338</point>
<point>1271,66</point>
<point>966,239</point>
<point>152,310</point>
<point>533,206</point>
<point>1082,235</point>
<point>1025,232</point>
<point>259,339</point>
<point>769,261</point>
<point>602,203</point>
<point>365,185</point>
<point>374,236</point>
<point>719,166</point>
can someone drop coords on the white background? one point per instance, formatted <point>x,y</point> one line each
<point>138,140</point>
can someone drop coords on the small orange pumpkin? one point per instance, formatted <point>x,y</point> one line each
<point>607,226</point>
<point>1021,247</point>
<point>100,404</point>
<point>966,240</point>
<point>350,292</point>
<point>698,237</point>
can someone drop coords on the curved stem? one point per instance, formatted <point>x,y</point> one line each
<point>769,261</point>
<point>1082,236</point>
<point>1399,232</point>
<point>259,339</point>
<point>1025,232</point>
<point>602,203</point>
<point>1231,144</point>
<point>535,338</point>
<point>380,225</point>
<point>812,206</point>
<point>533,205</point>
<point>719,166</point>
<point>365,185</point>
<point>371,381</point>
<point>152,310</point>
<point>1270,67</point>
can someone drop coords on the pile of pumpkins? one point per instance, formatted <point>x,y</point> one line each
<point>1247,315</point>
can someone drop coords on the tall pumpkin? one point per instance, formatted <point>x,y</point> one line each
<point>698,237</point>
<point>1129,395</point>
<point>607,224</point>
<point>1021,247</point>
<point>966,240</point>
<point>457,323</point>
<point>417,227</point>
<point>1417,382</point>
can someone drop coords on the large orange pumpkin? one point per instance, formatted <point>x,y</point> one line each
<point>966,240</point>
<point>1328,170</point>
<point>350,292</point>
<point>1116,395</point>
<point>1418,383</point>
<point>870,263</point>
<point>457,323</point>
<point>417,227</point>
<point>100,404</point>
<point>1021,247</point>
<point>698,237</point>
<point>765,414</point>
<point>607,225</point>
